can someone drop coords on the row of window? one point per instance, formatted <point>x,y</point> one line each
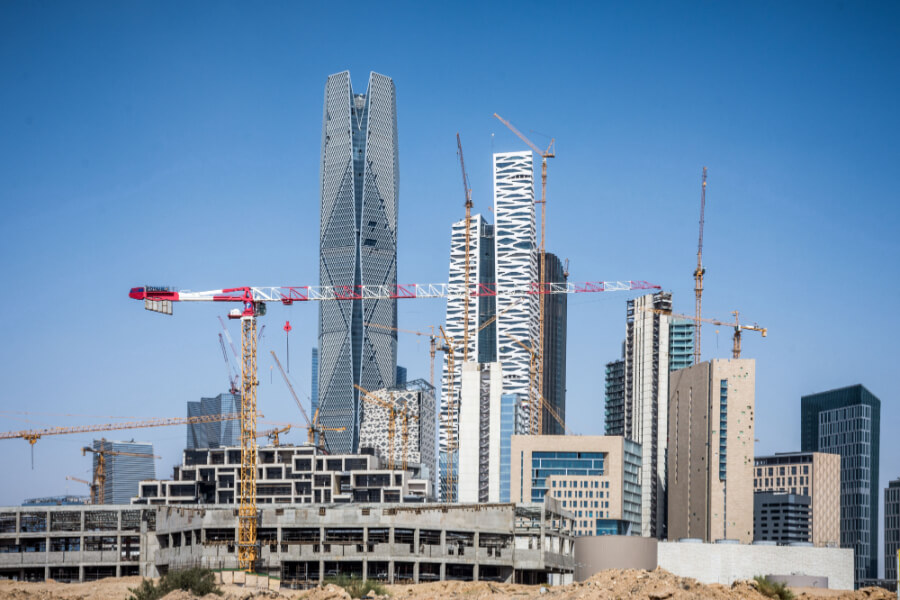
<point>583,484</point>
<point>794,470</point>
<point>780,482</point>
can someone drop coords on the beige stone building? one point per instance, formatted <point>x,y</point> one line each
<point>710,453</point>
<point>813,474</point>
<point>594,477</point>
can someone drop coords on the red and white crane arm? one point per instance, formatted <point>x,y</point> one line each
<point>288,295</point>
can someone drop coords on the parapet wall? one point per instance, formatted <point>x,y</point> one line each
<point>727,563</point>
<point>714,563</point>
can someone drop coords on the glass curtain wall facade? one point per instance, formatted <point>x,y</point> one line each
<point>509,417</point>
<point>554,350</point>
<point>891,529</point>
<point>358,246</point>
<point>124,473</point>
<point>216,434</point>
<point>847,421</point>
<point>614,423</point>
<point>681,344</point>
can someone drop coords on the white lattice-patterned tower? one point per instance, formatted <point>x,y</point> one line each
<point>516,263</point>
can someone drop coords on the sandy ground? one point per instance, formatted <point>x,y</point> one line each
<point>614,585</point>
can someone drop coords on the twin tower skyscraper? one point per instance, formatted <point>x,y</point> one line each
<point>357,246</point>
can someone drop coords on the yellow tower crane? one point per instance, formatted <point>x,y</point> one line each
<point>698,273</point>
<point>91,487</point>
<point>736,324</point>
<point>544,404</point>
<point>468,195</point>
<point>100,467</point>
<point>312,426</point>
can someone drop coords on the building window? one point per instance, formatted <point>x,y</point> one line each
<point>723,428</point>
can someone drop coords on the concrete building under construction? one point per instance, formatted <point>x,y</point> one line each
<point>287,475</point>
<point>394,543</point>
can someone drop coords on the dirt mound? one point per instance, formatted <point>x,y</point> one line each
<point>869,593</point>
<point>612,585</point>
<point>111,588</point>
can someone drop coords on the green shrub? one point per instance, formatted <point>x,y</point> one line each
<point>196,581</point>
<point>773,589</point>
<point>357,588</point>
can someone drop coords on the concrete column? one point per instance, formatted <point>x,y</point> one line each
<point>47,570</point>
<point>391,572</point>
<point>443,571</point>
<point>416,541</point>
<point>365,568</point>
<point>443,542</point>
<point>321,570</point>
<point>81,573</point>
<point>475,574</point>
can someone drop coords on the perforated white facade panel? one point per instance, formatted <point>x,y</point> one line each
<point>516,264</point>
<point>358,246</point>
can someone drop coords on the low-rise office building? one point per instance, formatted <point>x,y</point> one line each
<point>781,518</point>
<point>596,477</point>
<point>813,474</point>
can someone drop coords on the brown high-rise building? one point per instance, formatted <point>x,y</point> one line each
<point>813,474</point>
<point>710,451</point>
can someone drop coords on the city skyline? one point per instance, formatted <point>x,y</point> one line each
<point>203,174</point>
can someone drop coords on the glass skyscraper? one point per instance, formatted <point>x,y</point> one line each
<point>681,343</point>
<point>124,473</point>
<point>555,318</point>
<point>509,416</point>
<point>218,433</point>
<point>358,246</point>
<point>847,421</point>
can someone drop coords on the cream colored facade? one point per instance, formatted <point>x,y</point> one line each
<point>813,474</point>
<point>710,454</point>
<point>604,494</point>
<point>478,479</point>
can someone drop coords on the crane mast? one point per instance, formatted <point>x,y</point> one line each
<point>247,513</point>
<point>468,196</point>
<point>698,273</point>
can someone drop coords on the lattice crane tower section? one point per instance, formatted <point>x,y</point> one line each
<point>516,264</point>
<point>358,246</point>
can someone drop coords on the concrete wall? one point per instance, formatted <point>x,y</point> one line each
<point>727,563</point>
<point>701,503</point>
<point>715,563</point>
<point>598,553</point>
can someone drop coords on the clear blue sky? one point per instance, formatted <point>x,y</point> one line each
<point>178,144</point>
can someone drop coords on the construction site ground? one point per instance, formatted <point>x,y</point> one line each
<point>614,584</point>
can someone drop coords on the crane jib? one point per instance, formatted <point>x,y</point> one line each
<point>289,294</point>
